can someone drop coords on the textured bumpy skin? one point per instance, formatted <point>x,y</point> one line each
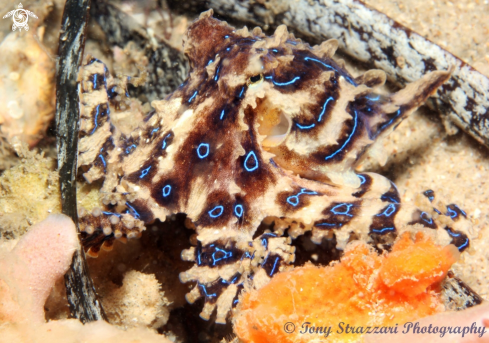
<point>264,128</point>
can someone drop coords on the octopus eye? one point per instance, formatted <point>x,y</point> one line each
<point>256,79</point>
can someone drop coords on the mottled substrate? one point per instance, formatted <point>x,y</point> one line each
<point>460,27</point>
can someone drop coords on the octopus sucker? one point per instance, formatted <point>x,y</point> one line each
<point>264,128</point>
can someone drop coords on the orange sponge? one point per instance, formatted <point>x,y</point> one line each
<point>342,300</point>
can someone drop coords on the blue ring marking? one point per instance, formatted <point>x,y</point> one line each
<point>255,167</point>
<point>426,218</point>
<point>166,191</point>
<point>222,115</point>
<point>103,160</point>
<point>145,172</point>
<point>133,211</point>
<point>218,208</point>
<point>305,127</point>
<point>362,179</point>
<point>451,213</point>
<point>205,291</point>
<point>347,140</point>
<point>373,99</point>
<point>217,74</point>
<point>206,153</point>
<point>286,83</point>
<point>240,212</point>
<point>225,256</point>
<point>130,148</point>
<point>163,146</point>
<point>192,97</point>
<point>336,211</point>
<point>210,61</point>
<point>388,211</point>
<point>294,199</point>
<point>274,265</point>
<point>383,230</point>
<point>324,108</point>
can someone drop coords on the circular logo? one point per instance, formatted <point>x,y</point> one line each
<point>289,327</point>
<point>20,17</point>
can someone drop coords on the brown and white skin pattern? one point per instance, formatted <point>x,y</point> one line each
<point>264,128</point>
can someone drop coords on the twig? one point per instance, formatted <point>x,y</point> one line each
<point>82,297</point>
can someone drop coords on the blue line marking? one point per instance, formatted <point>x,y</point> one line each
<point>305,127</point>
<point>464,245</point>
<point>241,93</point>
<point>154,131</point>
<point>226,37</point>
<point>133,211</point>
<point>95,81</point>
<point>383,230</point>
<point>213,213</point>
<point>222,115</point>
<point>329,224</point>
<point>145,172</point>
<point>347,140</point>
<point>324,108</point>
<point>452,233</point>
<point>362,179</point>
<point>250,154</point>
<point>192,97</point>
<point>238,210</point>
<point>373,99</point>
<point>103,160</point>
<point>320,62</point>
<point>210,62</point>
<point>227,49</point>
<point>275,50</point>
<point>294,199</point>
<point>163,146</point>
<point>205,291</point>
<point>130,148</point>
<point>286,83</point>
<point>166,191</point>
<point>274,265</point>
<point>426,218</point>
<point>95,119</point>
<point>206,150</point>
<point>348,206</point>
<point>217,74</point>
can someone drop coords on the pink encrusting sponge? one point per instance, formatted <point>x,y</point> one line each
<point>30,270</point>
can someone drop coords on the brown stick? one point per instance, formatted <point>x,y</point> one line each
<point>82,298</point>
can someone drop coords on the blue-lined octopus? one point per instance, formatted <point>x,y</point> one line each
<point>263,129</point>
